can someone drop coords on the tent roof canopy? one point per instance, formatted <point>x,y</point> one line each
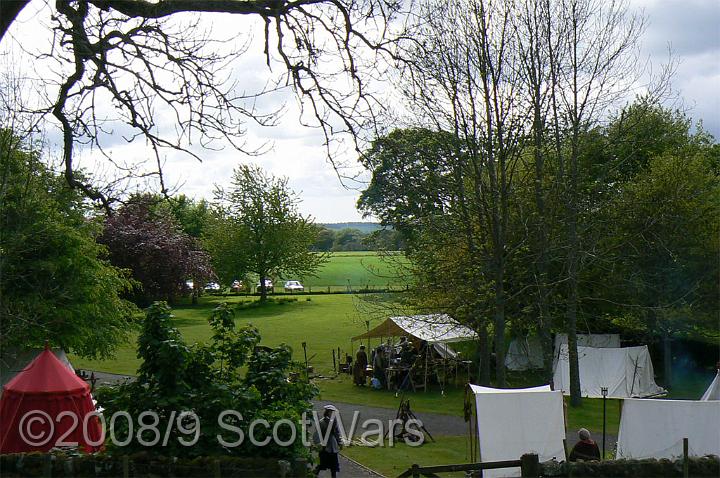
<point>14,361</point>
<point>435,328</point>
<point>479,389</point>
<point>46,375</point>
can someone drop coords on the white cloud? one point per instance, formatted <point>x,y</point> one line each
<point>692,28</point>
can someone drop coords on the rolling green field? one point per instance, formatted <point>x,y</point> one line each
<point>357,270</point>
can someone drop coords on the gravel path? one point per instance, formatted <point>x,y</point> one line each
<point>435,423</point>
<point>352,469</point>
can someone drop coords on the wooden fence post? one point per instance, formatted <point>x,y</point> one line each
<point>686,459</point>
<point>126,466</point>
<point>216,469</point>
<point>529,466</point>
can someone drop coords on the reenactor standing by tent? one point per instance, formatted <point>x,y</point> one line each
<point>361,362</point>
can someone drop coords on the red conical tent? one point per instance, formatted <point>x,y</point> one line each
<point>47,405</point>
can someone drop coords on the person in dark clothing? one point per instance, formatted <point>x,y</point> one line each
<point>361,362</point>
<point>586,449</point>
<point>328,437</point>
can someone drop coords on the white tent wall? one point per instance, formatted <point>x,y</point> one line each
<point>713,391</point>
<point>656,428</point>
<point>626,372</point>
<point>524,353</point>
<point>513,422</point>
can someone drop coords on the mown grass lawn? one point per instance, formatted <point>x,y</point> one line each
<point>392,461</point>
<point>324,322</point>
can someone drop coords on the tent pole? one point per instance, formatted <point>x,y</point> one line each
<point>632,387</point>
<point>426,366</point>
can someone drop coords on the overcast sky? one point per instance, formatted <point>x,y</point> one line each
<point>691,28</point>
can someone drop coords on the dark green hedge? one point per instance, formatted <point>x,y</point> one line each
<point>143,465</point>
<point>651,468</point>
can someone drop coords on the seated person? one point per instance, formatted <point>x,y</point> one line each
<point>586,449</point>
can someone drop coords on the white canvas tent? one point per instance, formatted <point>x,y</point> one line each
<point>656,428</point>
<point>524,353</point>
<point>625,372</point>
<point>713,391</point>
<point>436,328</point>
<point>13,361</point>
<point>513,422</point>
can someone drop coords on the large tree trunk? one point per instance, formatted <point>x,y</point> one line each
<point>575,398</point>
<point>263,289</point>
<point>484,356</point>
<point>571,206</point>
<point>541,264</point>
<point>500,326</point>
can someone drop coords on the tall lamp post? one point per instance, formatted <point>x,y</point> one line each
<point>604,392</point>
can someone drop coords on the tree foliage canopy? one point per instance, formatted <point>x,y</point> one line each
<point>257,229</point>
<point>147,240</point>
<point>56,283</point>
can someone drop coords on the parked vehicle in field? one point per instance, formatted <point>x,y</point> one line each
<point>293,286</point>
<point>238,286</point>
<point>268,285</point>
<point>212,287</point>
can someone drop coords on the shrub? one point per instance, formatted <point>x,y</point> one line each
<point>232,372</point>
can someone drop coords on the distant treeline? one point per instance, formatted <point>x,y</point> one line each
<point>354,239</point>
<point>364,227</point>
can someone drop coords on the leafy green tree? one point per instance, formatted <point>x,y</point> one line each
<point>664,238</point>
<point>55,280</point>
<point>422,188</point>
<point>325,240</point>
<point>192,215</point>
<point>349,240</point>
<point>411,177</point>
<point>257,229</point>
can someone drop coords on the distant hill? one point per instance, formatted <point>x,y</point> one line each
<point>364,227</point>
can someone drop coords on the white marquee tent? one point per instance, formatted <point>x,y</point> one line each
<point>436,328</point>
<point>625,372</point>
<point>656,428</point>
<point>713,391</point>
<point>513,422</point>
